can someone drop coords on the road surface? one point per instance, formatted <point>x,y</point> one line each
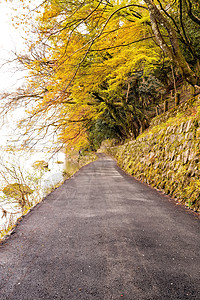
<point>103,235</point>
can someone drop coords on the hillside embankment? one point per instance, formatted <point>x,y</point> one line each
<point>167,155</point>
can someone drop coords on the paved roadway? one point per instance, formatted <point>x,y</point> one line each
<point>103,235</point>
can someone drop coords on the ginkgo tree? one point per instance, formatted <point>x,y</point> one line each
<point>92,59</point>
<point>92,72</point>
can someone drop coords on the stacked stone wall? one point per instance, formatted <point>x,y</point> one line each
<point>168,158</point>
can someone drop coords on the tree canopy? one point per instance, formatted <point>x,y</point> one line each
<point>98,68</point>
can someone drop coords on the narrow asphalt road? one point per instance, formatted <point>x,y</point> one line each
<point>103,235</point>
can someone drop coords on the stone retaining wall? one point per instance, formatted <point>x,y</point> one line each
<point>167,158</point>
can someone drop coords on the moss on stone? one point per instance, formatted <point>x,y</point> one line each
<point>167,155</point>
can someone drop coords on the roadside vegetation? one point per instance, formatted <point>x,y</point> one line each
<point>21,189</point>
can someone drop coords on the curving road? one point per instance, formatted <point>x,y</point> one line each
<point>103,235</point>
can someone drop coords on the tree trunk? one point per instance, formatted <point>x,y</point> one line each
<point>157,111</point>
<point>173,52</point>
<point>177,99</point>
<point>166,106</point>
